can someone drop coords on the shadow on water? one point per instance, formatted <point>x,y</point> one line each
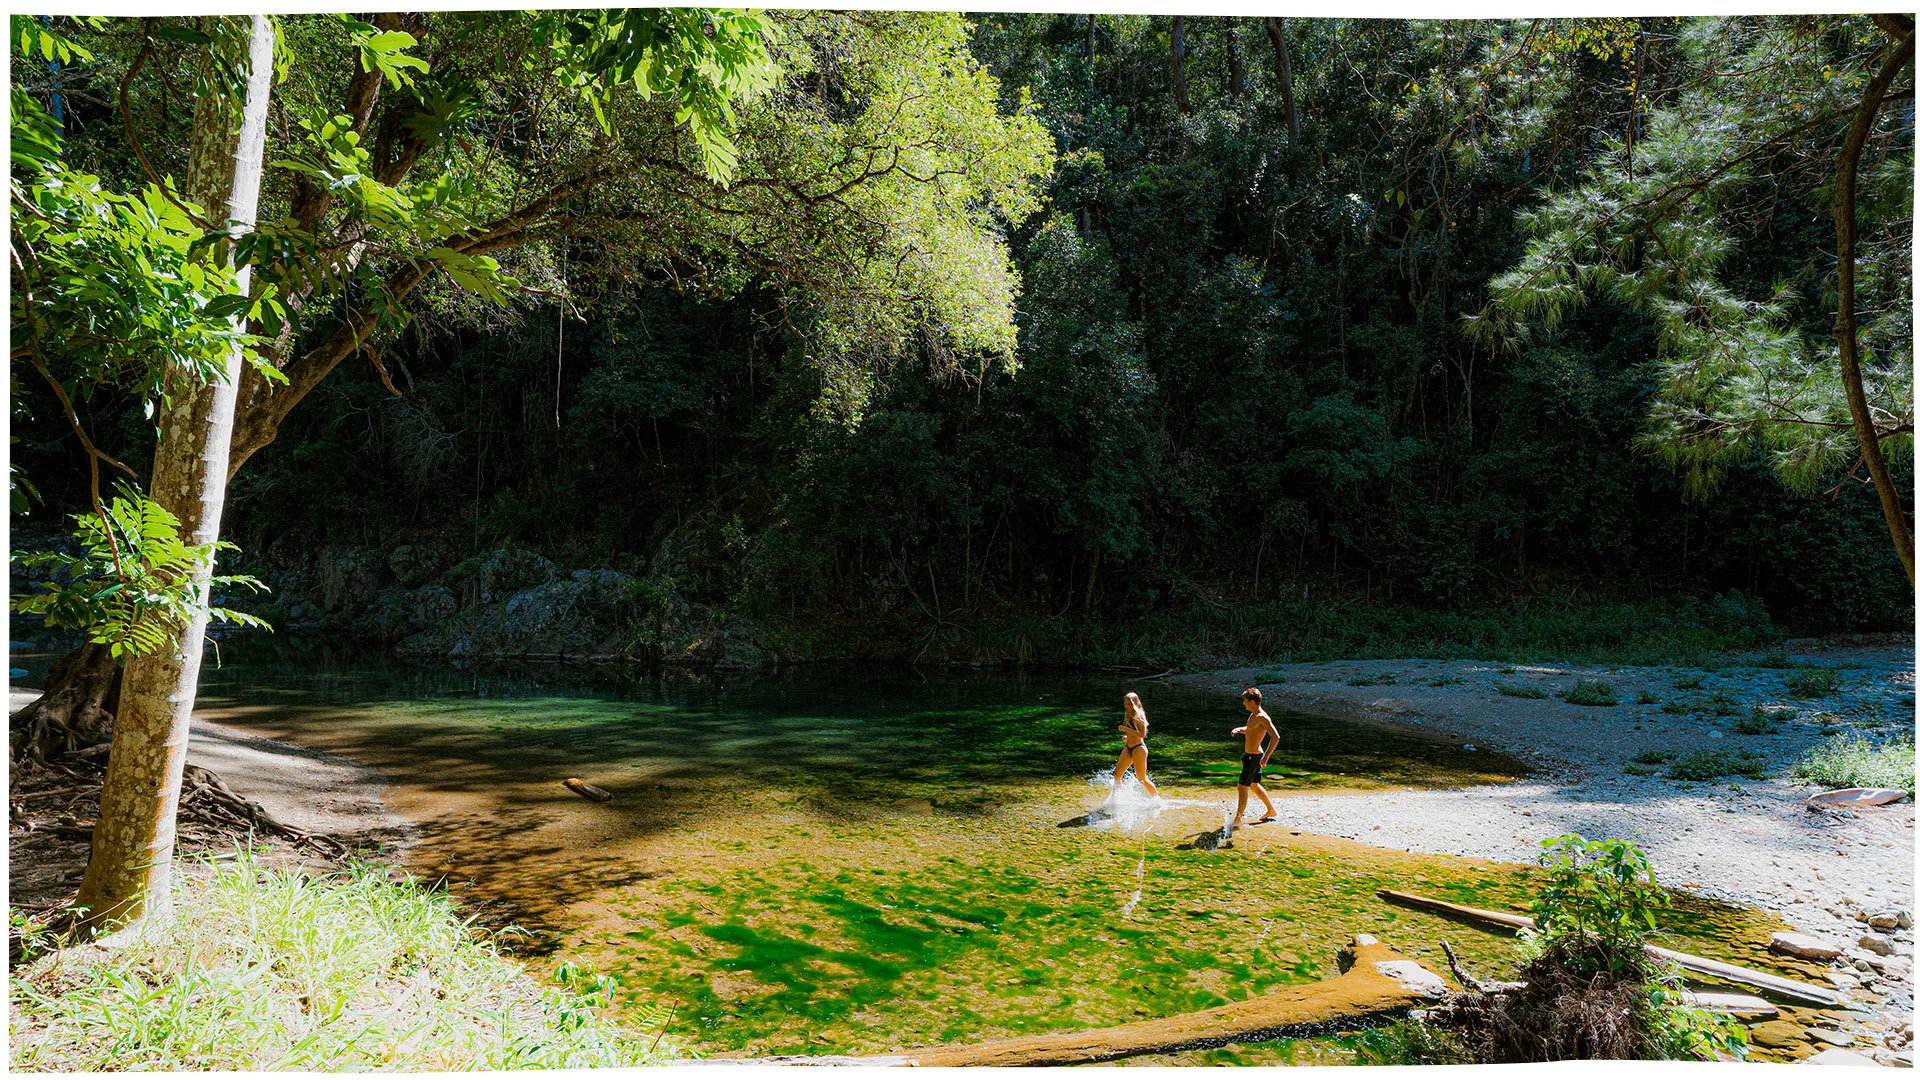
<point>854,732</point>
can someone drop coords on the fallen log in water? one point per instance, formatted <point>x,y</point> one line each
<point>1805,993</point>
<point>1740,1004</point>
<point>587,791</point>
<point>1379,981</point>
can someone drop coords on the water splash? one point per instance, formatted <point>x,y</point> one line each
<point>1128,810</point>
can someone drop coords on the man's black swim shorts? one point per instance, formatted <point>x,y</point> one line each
<point>1249,769</point>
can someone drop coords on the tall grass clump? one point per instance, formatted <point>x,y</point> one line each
<point>1519,690</point>
<point>272,970</point>
<point>1714,764</point>
<point>1813,682</point>
<point>1592,692</point>
<point>1845,761</point>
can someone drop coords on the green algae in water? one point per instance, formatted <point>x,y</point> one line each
<point>882,947</point>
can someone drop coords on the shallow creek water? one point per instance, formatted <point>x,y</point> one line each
<point>863,860</point>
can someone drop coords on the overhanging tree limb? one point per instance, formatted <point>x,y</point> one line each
<point>1845,331</point>
<point>263,405</point>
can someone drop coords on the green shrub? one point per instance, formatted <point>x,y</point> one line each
<point>1592,692</point>
<point>1688,682</point>
<point>1588,988</point>
<point>1445,680</point>
<point>1844,761</point>
<point>1648,697</point>
<point>1601,890</point>
<point>1641,770</point>
<point>273,970</point>
<point>1384,679</point>
<point>1654,757</point>
<point>1520,690</point>
<point>1813,682</point>
<point>1713,764</point>
<point>1776,659</point>
<point>1717,703</point>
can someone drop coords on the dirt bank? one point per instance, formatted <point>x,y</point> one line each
<point>1748,841</point>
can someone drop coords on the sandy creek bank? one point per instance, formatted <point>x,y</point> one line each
<point>1750,842</point>
<point>305,788</point>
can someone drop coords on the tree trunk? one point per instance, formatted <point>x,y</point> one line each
<point>1277,33</point>
<point>1180,64</point>
<point>1236,72</point>
<point>1093,571</point>
<point>1093,38</point>
<point>1847,175</point>
<point>129,873</point>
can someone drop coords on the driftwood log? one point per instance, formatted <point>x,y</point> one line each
<point>1738,1004</point>
<point>587,791</point>
<point>1805,993</point>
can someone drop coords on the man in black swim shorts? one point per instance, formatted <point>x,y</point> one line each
<point>1254,758</point>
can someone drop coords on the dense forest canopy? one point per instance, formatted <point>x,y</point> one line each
<point>1011,335</point>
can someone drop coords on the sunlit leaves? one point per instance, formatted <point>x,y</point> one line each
<point>110,287</point>
<point>385,52</point>
<point>705,59</point>
<point>474,273</point>
<point>131,587</point>
<point>34,37</point>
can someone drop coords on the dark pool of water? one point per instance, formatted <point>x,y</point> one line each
<point>876,722</point>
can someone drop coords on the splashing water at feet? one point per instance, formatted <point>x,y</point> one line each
<point>1128,809</point>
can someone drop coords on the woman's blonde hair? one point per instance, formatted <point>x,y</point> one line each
<point>1135,709</point>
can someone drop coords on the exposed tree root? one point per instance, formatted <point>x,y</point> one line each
<point>53,806</point>
<point>208,795</point>
<point>74,711</point>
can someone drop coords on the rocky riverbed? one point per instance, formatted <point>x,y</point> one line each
<point>1746,840</point>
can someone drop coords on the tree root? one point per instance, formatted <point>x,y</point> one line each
<point>67,731</point>
<point>209,796</point>
<point>1478,986</point>
<point>74,711</point>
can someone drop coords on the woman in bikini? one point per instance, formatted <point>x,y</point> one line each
<point>1133,749</point>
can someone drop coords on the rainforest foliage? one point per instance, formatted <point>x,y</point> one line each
<point>965,323</point>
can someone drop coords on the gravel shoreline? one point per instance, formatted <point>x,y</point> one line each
<point>1750,842</point>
